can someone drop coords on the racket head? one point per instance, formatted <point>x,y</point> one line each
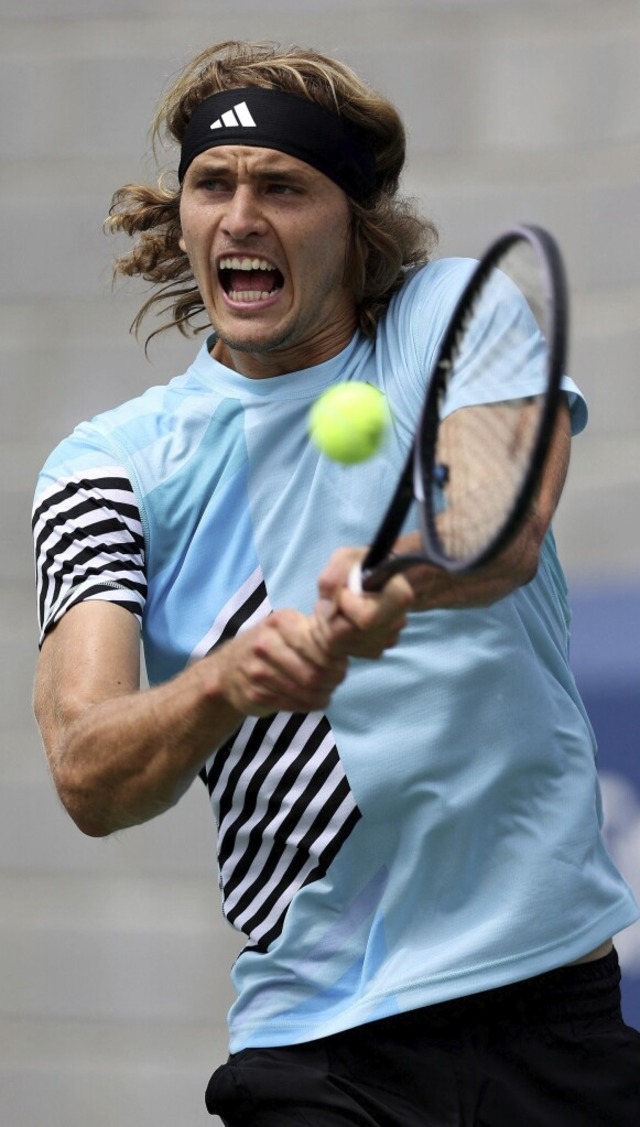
<point>492,401</point>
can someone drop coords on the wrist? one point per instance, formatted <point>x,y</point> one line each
<point>215,687</point>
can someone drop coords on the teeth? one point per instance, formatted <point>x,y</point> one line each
<point>245,264</point>
<point>250,295</point>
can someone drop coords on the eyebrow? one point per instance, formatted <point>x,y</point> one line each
<point>284,175</point>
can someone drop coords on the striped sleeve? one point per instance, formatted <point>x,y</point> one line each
<point>88,544</point>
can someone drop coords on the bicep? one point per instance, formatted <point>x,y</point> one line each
<point>91,655</point>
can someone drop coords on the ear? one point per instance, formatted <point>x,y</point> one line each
<point>182,244</point>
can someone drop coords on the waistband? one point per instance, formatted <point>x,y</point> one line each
<point>588,990</point>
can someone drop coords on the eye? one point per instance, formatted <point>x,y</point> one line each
<point>212,184</point>
<point>208,180</point>
<point>278,188</point>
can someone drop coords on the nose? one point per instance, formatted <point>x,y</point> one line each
<point>243,214</point>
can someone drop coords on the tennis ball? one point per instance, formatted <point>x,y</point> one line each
<point>348,422</point>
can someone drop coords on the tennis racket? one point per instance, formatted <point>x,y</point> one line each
<point>491,403</point>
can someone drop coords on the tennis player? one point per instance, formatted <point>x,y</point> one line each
<point>404,784</point>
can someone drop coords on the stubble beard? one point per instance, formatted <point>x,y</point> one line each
<point>258,344</point>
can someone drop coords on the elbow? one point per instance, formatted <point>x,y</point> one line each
<point>91,824</point>
<point>92,829</point>
<point>83,809</point>
<point>99,808</point>
<point>522,560</point>
<point>516,572</point>
<point>82,798</point>
<point>528,568</point>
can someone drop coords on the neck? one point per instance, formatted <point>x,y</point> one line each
<point>281,359</point>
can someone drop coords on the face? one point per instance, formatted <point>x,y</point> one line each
<point>267,238</point>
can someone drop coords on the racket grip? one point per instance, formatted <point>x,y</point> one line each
<point>354,582</point>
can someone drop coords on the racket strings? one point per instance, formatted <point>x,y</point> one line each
<point>483,454</point>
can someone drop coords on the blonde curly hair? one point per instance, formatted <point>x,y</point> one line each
<point>388,236</point>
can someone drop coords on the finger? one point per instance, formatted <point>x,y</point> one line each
<point>372,643</point>
<point>335,574</point>
<point>302,653</point>
<point>341,636</point>
<point>371,611</point>
<point>261,691</point>
<point>284,668</point>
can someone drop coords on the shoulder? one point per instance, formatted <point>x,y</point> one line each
<point>132,432</point>
<point>419,312</point>
<point>438,284</point>
<point>410,331</point>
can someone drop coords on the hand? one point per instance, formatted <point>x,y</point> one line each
<point>358,625</point>
<point>278,665</point>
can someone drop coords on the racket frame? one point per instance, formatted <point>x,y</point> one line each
<point>379,563</point>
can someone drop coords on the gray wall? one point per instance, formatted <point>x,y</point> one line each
<point>113,959</point>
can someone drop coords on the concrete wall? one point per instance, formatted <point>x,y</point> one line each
<point>113,958</point>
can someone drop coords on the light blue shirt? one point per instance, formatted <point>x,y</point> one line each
<point>438,832</point>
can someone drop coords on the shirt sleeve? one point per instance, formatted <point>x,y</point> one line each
<point>88,539</point>
<point>486,372</point>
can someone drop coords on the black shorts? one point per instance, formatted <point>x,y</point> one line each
<point>549,1052</point>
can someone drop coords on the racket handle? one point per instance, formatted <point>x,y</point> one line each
<point>362,579</point>
<point>354,583</point>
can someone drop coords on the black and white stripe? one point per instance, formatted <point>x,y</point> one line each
<point>284,809</point>
<point>248,605</point>
<point>280,795</point>
<point>88,543</point>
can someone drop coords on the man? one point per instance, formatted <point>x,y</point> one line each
<point>404,784</point>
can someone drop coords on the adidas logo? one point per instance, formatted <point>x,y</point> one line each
<point>239,115</point>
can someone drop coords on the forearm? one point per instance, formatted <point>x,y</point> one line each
<point>119,755</point>
<point>436,589</point>
<point>126,759</point>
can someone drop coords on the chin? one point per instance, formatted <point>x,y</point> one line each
<point>256,341</point>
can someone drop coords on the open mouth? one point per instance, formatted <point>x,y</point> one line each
<point>249,279</point>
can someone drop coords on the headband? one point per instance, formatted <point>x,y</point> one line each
<point>274,119</point>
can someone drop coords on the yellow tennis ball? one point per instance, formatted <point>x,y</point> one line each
<point>348,422</point>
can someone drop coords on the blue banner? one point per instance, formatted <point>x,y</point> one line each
<point>605,655</point>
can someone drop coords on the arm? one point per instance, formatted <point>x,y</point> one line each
<point>518,563</point>
<point>120,756</point>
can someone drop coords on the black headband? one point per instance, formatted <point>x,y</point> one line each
<point>274,119</point>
